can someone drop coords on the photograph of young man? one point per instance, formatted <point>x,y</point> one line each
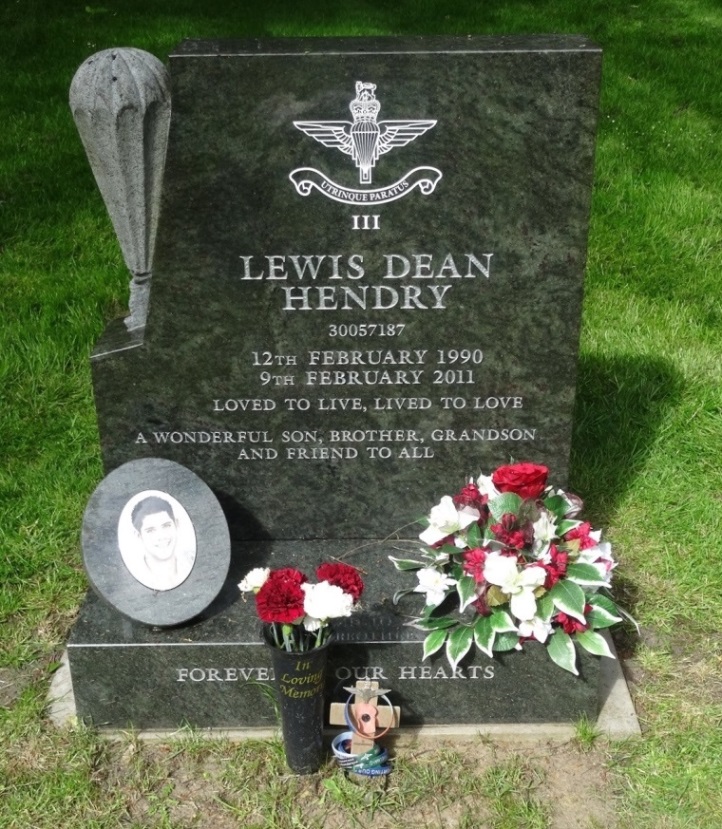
<point>160,550</point>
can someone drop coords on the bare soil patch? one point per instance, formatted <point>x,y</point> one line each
<point>474,784</point>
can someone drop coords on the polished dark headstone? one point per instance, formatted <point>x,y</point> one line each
<point>217,673</point>
<point>155,542</point>
<point>367,287</point>
<point>309,331</point>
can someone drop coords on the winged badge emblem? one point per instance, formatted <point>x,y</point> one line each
<point>365,139</point>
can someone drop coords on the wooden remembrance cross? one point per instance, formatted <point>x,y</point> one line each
<point>364,715</point>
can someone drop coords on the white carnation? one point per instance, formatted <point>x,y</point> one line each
<point>324,601</point>
<point>254,580</point>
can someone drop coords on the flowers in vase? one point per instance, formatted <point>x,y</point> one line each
<point>512,557</point>
<point>298,611</point>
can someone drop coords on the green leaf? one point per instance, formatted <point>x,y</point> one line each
<point>507,502</point>
<point>598,600</point>
<point>600,617</point>
<point>585,574</point>
<point>505,642</point>
<point>434,623</point>
<point>399,594</point>
<point>406,563</point>
<point>569,598</point>
<point>466,588</point>
<point>473,535</point>
<point>594,643</point>
<point>565,526</point>
<point>458,644</point>
<point>557,505</point>
<point>484,635</point>
<point>434,642</point>
<point>545,607</point>
<point>561,650</point>
<point>501,622</point>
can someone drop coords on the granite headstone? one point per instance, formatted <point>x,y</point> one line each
<point>367,287</point>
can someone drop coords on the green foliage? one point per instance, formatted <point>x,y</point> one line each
<point>561,651</point>
<point>508,502</point>
<point>586,733</point>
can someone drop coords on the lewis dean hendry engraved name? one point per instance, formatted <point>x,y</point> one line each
<point>407,296</point>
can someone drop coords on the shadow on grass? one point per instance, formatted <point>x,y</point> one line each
<point>621,403</point>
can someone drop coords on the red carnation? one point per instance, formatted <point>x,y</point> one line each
<point>508,532</point>
<point>581,533</point>
<point>344,576</point>
<point>571,625</point>
<point>557,567</point>
<point>288,574</point>
<point>527,480</point>
<point>280,599</point>
<point>474,563</point>
<point>471,497</point>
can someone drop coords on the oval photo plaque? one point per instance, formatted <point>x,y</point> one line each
<point>155,542</point>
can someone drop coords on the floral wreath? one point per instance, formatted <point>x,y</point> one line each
<point>522,567</point>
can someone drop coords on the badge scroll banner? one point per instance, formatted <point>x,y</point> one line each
<point>306,179</point>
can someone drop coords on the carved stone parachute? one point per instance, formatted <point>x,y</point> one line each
<point>120,100</point>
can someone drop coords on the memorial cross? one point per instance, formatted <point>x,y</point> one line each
<point>363,716</point>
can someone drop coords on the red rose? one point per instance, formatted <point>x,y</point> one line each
<point>527,480</point>
<point>344,576</point>
<point>280,599</point>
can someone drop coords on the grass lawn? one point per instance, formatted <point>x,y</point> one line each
<point>647,454</point>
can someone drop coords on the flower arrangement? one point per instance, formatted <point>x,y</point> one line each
<point>298,611</point>
<point>521,564</point>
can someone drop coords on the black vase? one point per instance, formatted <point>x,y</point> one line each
<point>300,680</point>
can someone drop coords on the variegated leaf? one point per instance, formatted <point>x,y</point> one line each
<point>466,588</point>
<point>434,642</point>
<point>569,598</point>
<point>594,643</point>
<point>561,650</point>
<point>585,574</point>
<point>458,644</point>
<point>406,563</point>
<point>484,635</point>
<point>502,622</point>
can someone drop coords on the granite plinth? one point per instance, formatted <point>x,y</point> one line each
<point>217,672</point>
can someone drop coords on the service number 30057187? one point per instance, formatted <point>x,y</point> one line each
<point>366,329</point>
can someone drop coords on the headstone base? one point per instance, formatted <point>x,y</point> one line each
<point>216,672</point>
